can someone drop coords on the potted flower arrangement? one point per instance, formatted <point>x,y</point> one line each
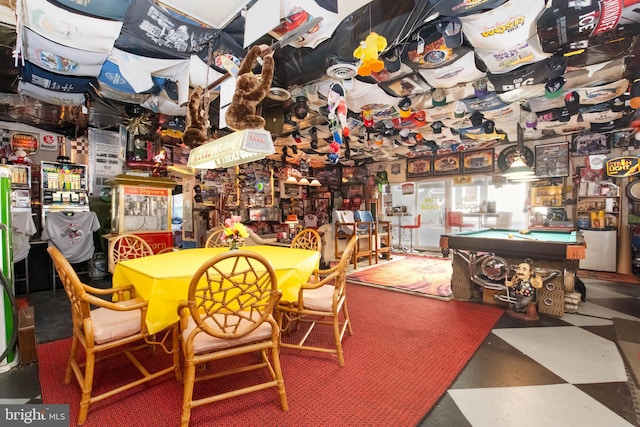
<point>234,233</point>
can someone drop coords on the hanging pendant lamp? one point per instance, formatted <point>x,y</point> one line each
<point>519,170</point>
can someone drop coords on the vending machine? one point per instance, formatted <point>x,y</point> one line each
<point>8,309</point>
<point>63,187</point>
<point>20,188</point>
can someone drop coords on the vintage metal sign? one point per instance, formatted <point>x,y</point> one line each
<point>623,166</point>
<point>28,142</point>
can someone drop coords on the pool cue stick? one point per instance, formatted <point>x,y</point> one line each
<point>511,235</point>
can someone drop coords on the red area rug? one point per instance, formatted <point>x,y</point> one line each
<point>404,354</point>
<point>424,276</point>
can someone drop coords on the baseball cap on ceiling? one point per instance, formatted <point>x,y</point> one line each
<point>554,87</point>
<point>451,30</point>
<point>476,118</point>
<point>489,126</point>
<point>392,61</point>
<point>459,109</point>
<point>556,66</point>
<point>596,161</point>
<point>531,121</point>
<point>171,89</point>
<point>572,101</point>
<point>438,97</point>
<point>617,104</point>
<point>405,103</point>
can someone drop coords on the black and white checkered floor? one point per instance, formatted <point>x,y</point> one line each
<point>549,372</point>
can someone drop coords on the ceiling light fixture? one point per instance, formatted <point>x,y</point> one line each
<point>278,94</point>
<point>303,181</point>
<point>525,179</point>
<point>342,71</point>
<point>519,170</point>
<point>315,183</point>
<point>313,134</point>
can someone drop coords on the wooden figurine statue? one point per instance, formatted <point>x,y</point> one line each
<point>522,292</point>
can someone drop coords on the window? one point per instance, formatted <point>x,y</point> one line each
<point>434,195</point>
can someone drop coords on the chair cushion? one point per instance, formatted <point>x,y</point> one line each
<point>344,216</point>
<point>364,216</point>
<point>319,299</point>
<point>204,342</point>
<point>110,325</point>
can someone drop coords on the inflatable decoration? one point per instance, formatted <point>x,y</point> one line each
<point>367,52</point>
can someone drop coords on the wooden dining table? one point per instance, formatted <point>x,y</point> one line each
<point>163,280</point>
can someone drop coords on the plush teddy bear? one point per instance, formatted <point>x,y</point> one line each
<point>250,90</point>
<point>368,53</point>
<point>197,121</point>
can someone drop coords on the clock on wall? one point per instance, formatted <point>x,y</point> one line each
<point>633,192</point>
<point>507,156</point>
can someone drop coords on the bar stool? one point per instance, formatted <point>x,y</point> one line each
<point>411,227</point>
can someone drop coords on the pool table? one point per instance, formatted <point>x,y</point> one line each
<point>549,250</point>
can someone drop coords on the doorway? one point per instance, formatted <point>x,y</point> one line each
<point>431,198</point>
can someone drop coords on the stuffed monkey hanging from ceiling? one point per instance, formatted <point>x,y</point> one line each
<point>250,90</point>
<point>197,121</point>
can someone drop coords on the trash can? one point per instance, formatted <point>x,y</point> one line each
<point>98,266</point>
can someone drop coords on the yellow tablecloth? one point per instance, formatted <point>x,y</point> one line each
<point>163,280</point>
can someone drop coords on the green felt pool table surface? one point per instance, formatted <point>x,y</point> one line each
<point>537,243</point>
<point>547,236</point>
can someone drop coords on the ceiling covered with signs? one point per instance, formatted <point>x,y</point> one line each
<point>417,76</point>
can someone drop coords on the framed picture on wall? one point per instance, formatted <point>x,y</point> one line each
<point>408,187</point>
<point>477,161</point>
<point>447,164</point>
<point>593,143</point>
<point>419,167</point>
<point>552,159</point>
<point>621,139</point>
<point>329,177</point>
<point>354,175</point>
<point>408,85</point>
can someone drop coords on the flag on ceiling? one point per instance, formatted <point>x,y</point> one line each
<point>150,30</point>
<point>69,28</point>
<point>50,96</point>
<point>112,9</point>
<point>58,82</point>
<point>58,58</point>
<point>139,71</point>
<point>505,26</point>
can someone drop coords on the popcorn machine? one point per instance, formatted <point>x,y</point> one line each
<point>141,205</point>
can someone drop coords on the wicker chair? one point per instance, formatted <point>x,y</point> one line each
<point>214,327</point>
<point>307,239</point>
<point>320,302</point>
<point>168,249</point>
<point>126,246</point>
<point>114,328</point>
<point>215,239</point>
<point>346,227</point>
